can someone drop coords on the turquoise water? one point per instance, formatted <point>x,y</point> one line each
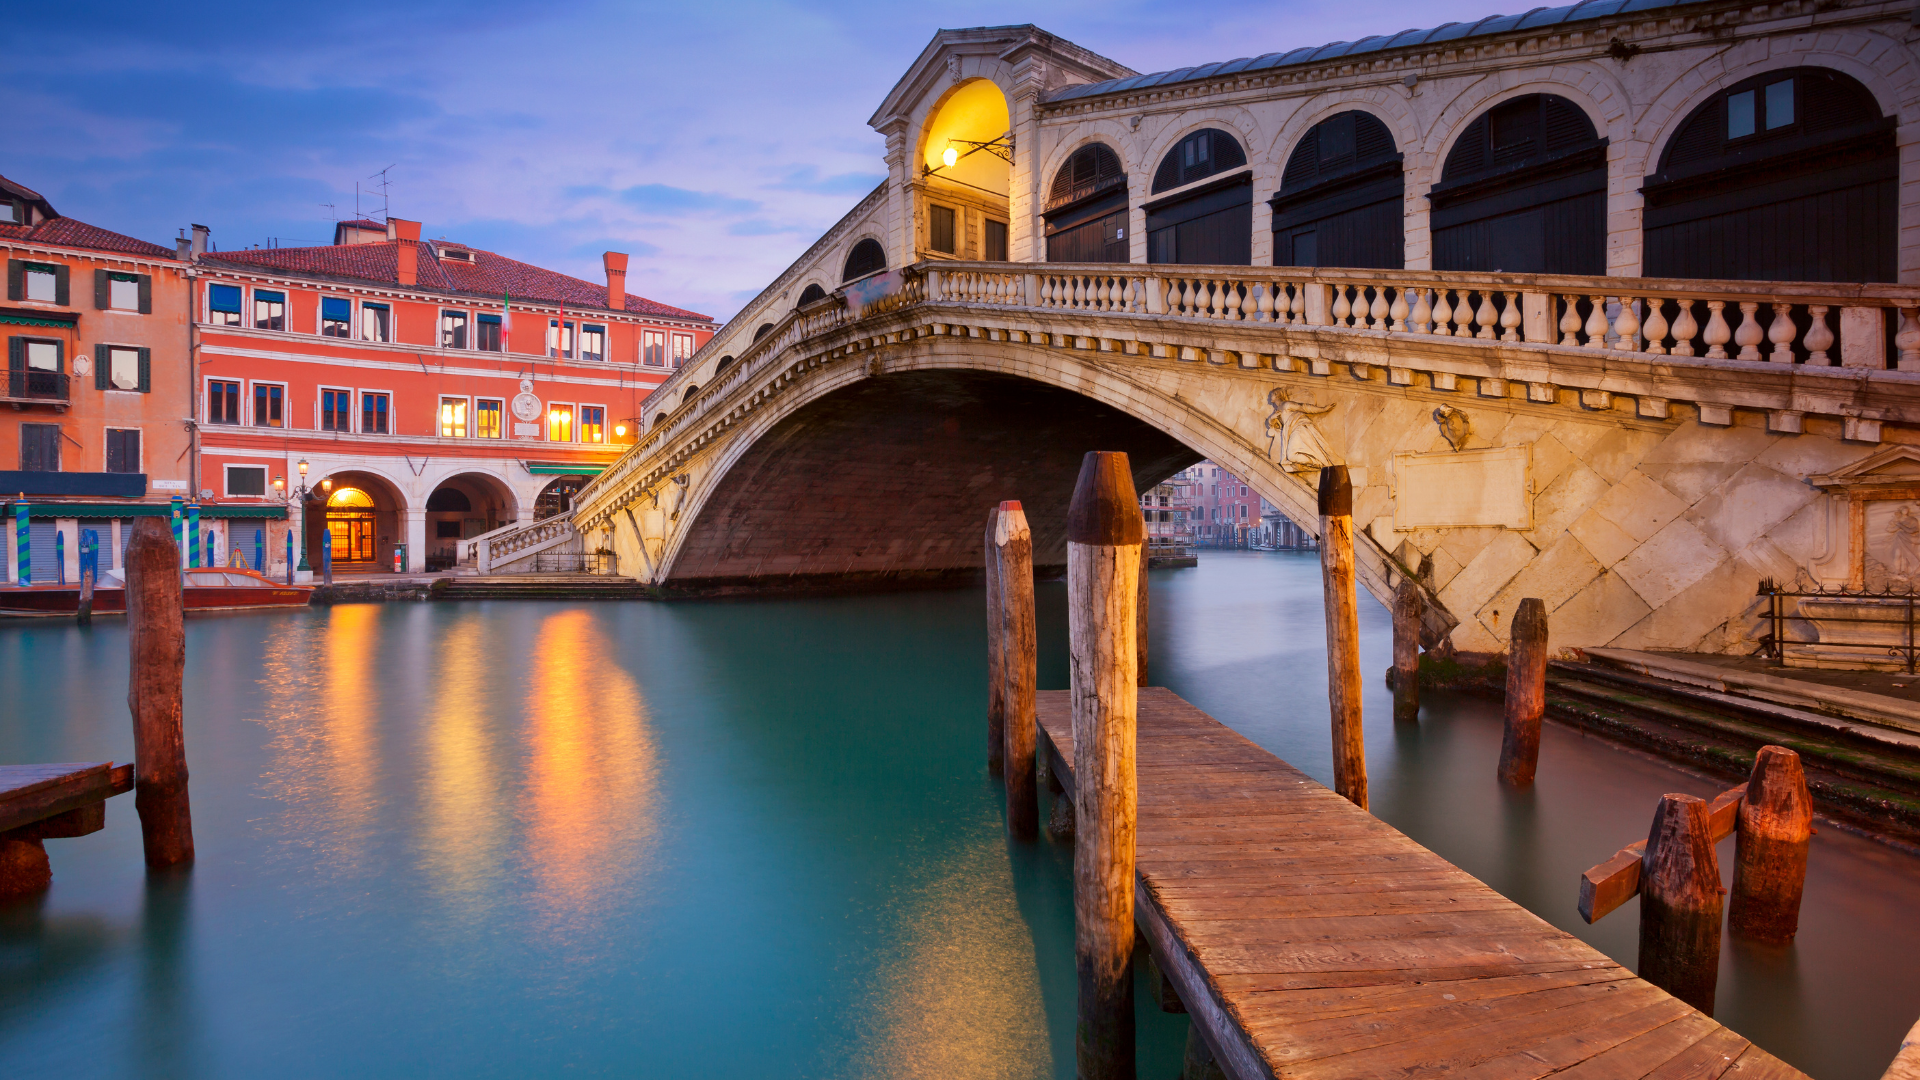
<point>733,839</point>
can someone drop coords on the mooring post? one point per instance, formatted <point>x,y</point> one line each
<point>1140,626</point>
<point>1770,848</point>
<point>156,638</point>
<point>1013,553</point>
<point>1105,541</point>
<point>996,654</point>
<point>1526,693</point>
<point>1409,606</point>
<point>89,565</point>
<point>1343,634</point>
<point>1680,903</point>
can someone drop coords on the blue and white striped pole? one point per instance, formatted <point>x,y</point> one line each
<point>289,556</point>
<point>179,522</point>
<point>22,544</point>
<point>89,553</point>
<point>193,532</point>
<point>260,549</point>
<point>326,555</point>
<point>60,555</point>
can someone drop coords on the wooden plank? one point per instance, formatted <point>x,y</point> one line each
<point>1605,887</point>
<point>31,793</point>
<point>1308,939</point>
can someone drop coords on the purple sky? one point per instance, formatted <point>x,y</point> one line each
<point>713,142</point>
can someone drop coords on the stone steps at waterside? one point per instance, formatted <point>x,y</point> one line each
<point>544,587</point>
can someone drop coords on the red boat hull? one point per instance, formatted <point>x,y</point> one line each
<point>202,594</point>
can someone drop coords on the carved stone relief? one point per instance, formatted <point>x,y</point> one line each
<point>1296,444</point>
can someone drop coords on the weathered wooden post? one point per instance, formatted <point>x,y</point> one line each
<point>85,612</point>
<point>1105,541</point>
<point>1770,849</point>
<point>1526,693</point>
<point>1012,552</point>
<point>1409,606</point>
<point>156,638</point>
<point>1140,627</point>
<point>1680,903</point>
<point>996,655</point>
<point>89,564</point>
<point>1343,634</point>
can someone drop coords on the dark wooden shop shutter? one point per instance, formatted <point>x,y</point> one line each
<point>102,356</point>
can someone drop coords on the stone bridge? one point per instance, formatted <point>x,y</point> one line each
<point>1638,451</point>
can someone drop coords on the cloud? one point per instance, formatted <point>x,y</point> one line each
<point>666,200</point>
<point>807,178</point>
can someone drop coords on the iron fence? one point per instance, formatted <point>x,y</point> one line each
<point>604,563</point>
<point>1889,611</point>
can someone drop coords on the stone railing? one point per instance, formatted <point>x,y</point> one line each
<point>489,551</point>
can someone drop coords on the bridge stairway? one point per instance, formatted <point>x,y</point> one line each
<point>1856,771</point>
<point>543,587</point>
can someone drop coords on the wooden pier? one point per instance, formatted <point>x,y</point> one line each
<point>1308,938</point>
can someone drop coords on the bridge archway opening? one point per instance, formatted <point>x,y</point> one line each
<point>887,480</point>
<point>1523,191</point>
<point>1205,223</point>
<point>1792,175</point>
<point>1341,199</point>
<point>362,511</point>
<point>966,167</point>
<point>1086,208</point>
<point>461,507</point>
<point>557,496</point>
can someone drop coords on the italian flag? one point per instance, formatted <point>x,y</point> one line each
<point>506,322</point>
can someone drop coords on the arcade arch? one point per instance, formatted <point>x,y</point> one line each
<point>965,166</point>
<point>1341,197</point>
<point>461,507</point>
<point>1086,208</point>
<point>362,512</point>
<point>1523,190</point>
<point>1211,223</point>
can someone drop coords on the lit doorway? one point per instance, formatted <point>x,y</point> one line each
<point>350,520</point>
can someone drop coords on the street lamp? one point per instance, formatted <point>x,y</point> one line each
<point>301,493</point>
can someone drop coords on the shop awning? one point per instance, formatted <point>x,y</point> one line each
<point>134,510</point>
<point>563,468</point>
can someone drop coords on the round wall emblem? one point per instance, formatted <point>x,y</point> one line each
<point>82,364</point>
<point>526,406</point>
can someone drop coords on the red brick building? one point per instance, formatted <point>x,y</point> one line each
<point>435,391</point>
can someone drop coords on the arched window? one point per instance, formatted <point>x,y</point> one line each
<point>867,257</point>
<point>765,329</point>
<point>1524,190</point>
<point>1341,197</point>
<point>660,419</point>
<point>1788,176</point>
<point>1086,210</point>
<point>722,363</point>
<point>1208,224</point>
<point>687,394</point>
<point>810,294</point>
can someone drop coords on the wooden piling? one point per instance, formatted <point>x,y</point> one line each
<point>1140,624</point>
<point>1770,850</point>
<point>1105,543</point>
<point>1680,903</point>
<point>1013,554</point>
<point>1526,693</point>
<point>1343,634</point>
<point>85,611</point>
<point>996,652</point>
<point>156,640</point>
<point>1409,606</point>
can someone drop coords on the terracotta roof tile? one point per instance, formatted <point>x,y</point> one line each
<point>66,232</point>
<point>489,275</point>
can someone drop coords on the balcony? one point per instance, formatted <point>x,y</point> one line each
<point>31,386</point>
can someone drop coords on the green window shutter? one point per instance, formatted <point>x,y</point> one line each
<point>100,287</point>
<point>146,294</point>
<point>16,353</point>
<point>61,294</point>
<point>146,371</point>
<point>16,285</point>
<point>101,358</point>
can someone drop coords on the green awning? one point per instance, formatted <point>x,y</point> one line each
<point>556,468</point>
<point>15,319</point>
<point>134,510</point>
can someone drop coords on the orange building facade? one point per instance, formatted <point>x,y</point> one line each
<point>433,391</point>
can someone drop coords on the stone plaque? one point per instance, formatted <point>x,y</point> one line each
<point>1488,488</point>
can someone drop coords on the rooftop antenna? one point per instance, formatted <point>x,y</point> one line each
<point>331,209</point>
<point>384,200</point>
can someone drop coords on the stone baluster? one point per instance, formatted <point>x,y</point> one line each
<point>1341,308</point>
<point>1263,302</point>
<point>1782,332</point>
<point>1183,297</point>
<point>1463,315</point>
<point>1596,327</point>
<point>1046,290</point>
<point>1718,333</point>
<point>1398,310</point>
<point>1570,319</point>
<point>1233,302</point>
<point>1819,337</point>
<point>1442,312</point>
<point>1748,335</point>
<point>1297,307</point>
<point>1510,317</point>
<point>1218,310</point>
<point>1485,317</point>
<point>1656,327</point>
<point>1379,309</point>
<point>1685,328</point>
<point>1421,321</point>
<point>1908,339</point>
<point>1626,326</point>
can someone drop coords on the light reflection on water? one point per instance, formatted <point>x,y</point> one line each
<point>740,839</point>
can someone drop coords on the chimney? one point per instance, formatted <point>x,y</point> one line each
<point>200,239</point>
<point>616,264</point>
<point>183,249</point>
<point>407,250</point>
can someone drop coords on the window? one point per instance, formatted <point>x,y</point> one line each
<point>39,447</point>
<point>336,410</point>
<point>593,424</point>
<point>867,257</point>
<point>223,402</point>
<point>269,310</point>
<point>453,418</point>
<point>10,213</point>
<point>43,282</point>
<point>123,450</point>
<point>1199,155</point>
<point>267,400</point>
<point>114,291</point>
<point>559,338</point>
<point>124,369</point>
<point>453,329</point>
<point>247,480</point>
<point>1779,105</point>
<point>593,342</point>
<point>336,317</point>
<point>223,305</point>
<point>995,241</point>
<point>486,418</point>
<point>40,355</point>
<point>487,334</point>
<point>373,413</point>
<point>682,349</point>
<point>653,348</point>
<point>940,230</point>
<point>559,423</point>
<point>376,322</point>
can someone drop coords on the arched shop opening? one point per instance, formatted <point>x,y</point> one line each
<point>362,514</point>
<point>1341,200</point>
<point>1207,217</point>
<point>463,507</point>
<point>1086,210</point>
<point>1524,191</point>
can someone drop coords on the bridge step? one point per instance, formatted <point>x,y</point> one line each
<point>545,587</point>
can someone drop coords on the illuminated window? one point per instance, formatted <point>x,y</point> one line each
<point>223,305</point>
<point>486,418</point>
<point>376,322</point>
<point>560,423</point>
<point>336,316</point>
<point>593,342</point>
<point>373,413</point>
<point>593,424</point>
<point>453,418</point>
<point>269,310</point>
<point>682,349</point>
<point>653,348</point>
<point>453,329</point>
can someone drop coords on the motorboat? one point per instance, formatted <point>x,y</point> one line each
<point>201,589</point>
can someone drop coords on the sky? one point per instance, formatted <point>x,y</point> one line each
<point>712,142</point>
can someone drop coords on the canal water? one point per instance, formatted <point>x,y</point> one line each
<point>737,839</point>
